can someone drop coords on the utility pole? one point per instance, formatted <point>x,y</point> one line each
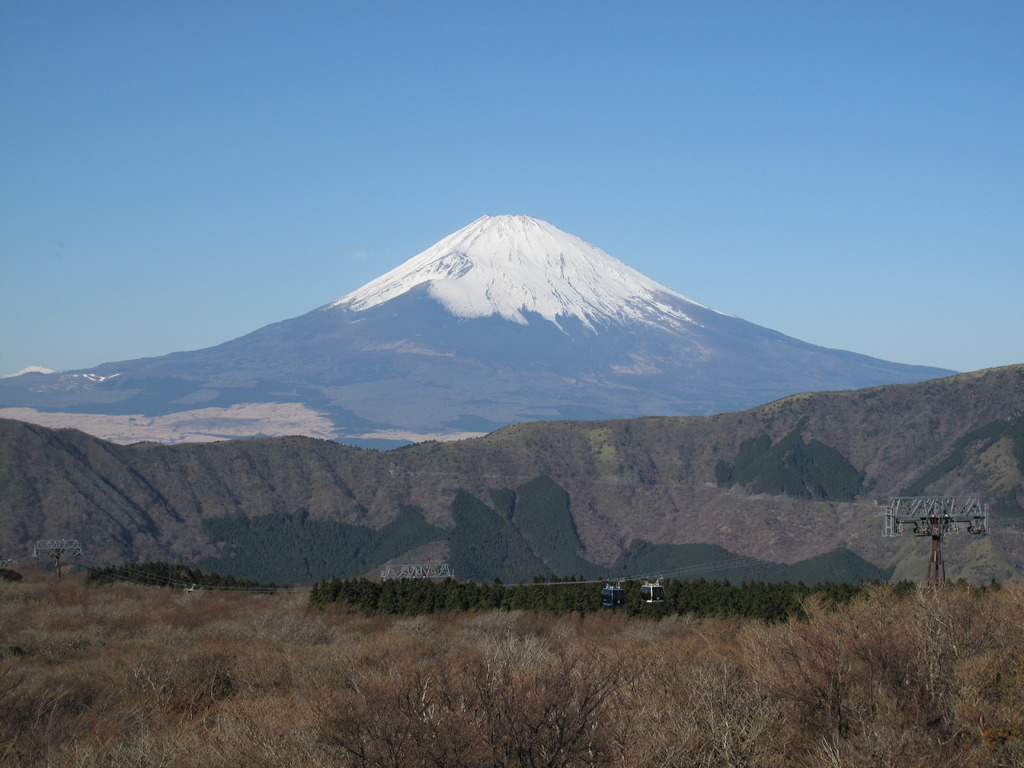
<point>56,549</point>
<point>935,516</point>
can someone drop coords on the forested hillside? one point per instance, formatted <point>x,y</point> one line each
<point>783,483</point>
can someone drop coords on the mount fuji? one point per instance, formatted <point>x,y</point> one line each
<point>509,319</point>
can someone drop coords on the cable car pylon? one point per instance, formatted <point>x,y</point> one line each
<point>935,516</point>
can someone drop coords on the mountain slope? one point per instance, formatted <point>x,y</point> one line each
<point>557,491</point>
<point>507,320</point>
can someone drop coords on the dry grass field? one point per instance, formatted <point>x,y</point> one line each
<point>140,676</point>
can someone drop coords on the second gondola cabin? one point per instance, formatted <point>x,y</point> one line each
<point>652,592</point>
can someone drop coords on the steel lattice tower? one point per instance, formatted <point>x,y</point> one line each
<point>935,516</point>
<point>416,571</point>
<point>56,549</point>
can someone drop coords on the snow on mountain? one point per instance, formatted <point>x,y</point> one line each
<point>514,265</point>
<point>507,320</point>
<point>29,369</point>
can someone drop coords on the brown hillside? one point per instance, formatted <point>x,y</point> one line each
<point>651,478</point>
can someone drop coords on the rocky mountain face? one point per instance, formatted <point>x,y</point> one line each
<point>787,481</point>
<point>505,321</point>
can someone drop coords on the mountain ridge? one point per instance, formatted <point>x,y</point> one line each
<point>652,479</point>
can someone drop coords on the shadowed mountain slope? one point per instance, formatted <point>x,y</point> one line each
<point>565,494</point>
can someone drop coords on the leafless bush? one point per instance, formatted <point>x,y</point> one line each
<point>134,676</point>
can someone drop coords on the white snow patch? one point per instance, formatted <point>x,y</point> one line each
<point>512,265</point>
<point>29,369</point>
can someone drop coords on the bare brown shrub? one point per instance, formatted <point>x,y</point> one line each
<point>691,700</point>
<point>135,676</point>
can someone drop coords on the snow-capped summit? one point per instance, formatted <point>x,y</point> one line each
<point>509,319</point>
<point>514,265</point>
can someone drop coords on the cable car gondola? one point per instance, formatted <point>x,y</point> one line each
<point>652,592</point>
<point>613,596</point>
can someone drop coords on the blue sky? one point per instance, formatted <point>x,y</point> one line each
<point>176,174</point>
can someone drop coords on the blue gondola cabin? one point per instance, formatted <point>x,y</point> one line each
<point>613,596</point>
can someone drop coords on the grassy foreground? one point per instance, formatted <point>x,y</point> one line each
<point>125,675</point>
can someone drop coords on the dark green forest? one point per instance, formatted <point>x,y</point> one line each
<point>765,601</point>
<point>296,549</point>
<point>792,467</point>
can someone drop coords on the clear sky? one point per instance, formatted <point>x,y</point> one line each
<point>177,174</point>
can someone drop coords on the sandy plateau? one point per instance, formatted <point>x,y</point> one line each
<point>208,425</point>
<point>199,426</point>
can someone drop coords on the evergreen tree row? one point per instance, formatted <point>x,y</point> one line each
<point>767,601</point>
<point>167,575</point>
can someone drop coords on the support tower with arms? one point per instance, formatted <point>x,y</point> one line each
<point>935,516</point>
